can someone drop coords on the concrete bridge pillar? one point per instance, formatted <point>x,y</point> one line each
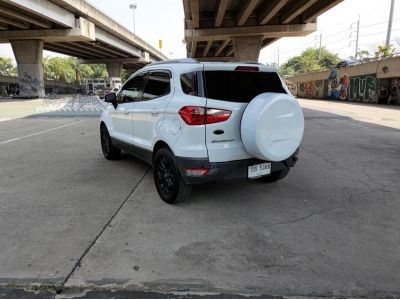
<point>114,69</point>
<point>29,54</point>
<point>247,48</point>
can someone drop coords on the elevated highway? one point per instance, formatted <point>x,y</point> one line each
<point>227,30</point>
<point>71,27</point>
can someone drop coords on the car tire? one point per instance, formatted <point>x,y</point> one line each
<point>110,152</point>
<point>276,175</point>
<point>168,180</point>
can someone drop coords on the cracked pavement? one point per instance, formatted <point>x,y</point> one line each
<point>75,225</point>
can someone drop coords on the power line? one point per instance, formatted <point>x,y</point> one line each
<point>384,22</point>
<point>284,55</point>
<point>377,33</point>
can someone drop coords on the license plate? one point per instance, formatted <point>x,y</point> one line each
<point>259,170</point>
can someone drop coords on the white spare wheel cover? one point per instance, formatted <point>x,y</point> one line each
<point>272,126</point>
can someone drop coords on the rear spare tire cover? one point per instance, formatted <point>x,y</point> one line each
<point>272,126</point>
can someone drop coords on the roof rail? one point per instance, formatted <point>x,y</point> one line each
<point>176,61</point>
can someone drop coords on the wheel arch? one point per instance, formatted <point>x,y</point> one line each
<point>158,145</point>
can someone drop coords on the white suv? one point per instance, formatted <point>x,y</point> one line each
<point>199,122</point>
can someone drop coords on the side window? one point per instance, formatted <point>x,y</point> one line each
<point>158,84</point>
<point>189,84</point>
<point>132,90</point>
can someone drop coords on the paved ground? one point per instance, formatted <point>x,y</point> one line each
<point>75,223</point>
<point>13,108</point>
<point>385,115</point>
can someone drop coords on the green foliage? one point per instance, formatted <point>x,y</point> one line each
<point>98,71</point>
<point>363,54</point>
<point>59,68</point>
<point>310,60</point>
<point>68,69</point>
<point>384,51</point>
<point>126,73</point>
<point>7,67</point>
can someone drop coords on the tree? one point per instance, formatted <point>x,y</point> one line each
<point>81,71</point>
<point>98,71</point>
<point>384,51</point>
<point>126,73</point>
<point>46,68</point>
<point>58,68</point>
<point>310,60</point>
<point>68,69</point>
<point>7,67</point>
<point>362,54</point>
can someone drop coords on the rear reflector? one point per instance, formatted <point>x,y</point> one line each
<point>196,171</point>
<point>215,115</point>
<point>199,115</point>
<point>247,68</point>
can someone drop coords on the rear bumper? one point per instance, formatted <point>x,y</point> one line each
<point>227,170</point>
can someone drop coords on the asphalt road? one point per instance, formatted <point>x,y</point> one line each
<point>74,223</point>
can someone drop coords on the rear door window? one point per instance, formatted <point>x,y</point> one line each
<point>158,85</point>
<point>189,83</point>
<point>240,86</point>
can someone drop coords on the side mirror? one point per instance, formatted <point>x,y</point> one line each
<point>111,98</point>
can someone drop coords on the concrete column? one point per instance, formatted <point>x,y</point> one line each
<point>247,48</point>
<point>29,54</point>
<point>114,70</point>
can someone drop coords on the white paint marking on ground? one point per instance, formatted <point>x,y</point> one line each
<point>37,133</point>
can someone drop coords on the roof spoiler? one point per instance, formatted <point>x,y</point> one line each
<point>176,61</point>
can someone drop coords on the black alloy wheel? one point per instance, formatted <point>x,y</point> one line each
<point>110,152</point>
<point>169,183</point>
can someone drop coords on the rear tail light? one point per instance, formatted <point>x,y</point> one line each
<point>199,115</point>
<point>247,68</point>
<point>196,171</point>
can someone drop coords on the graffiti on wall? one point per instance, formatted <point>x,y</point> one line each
<point>389,91</point>
<point>291,86</point>
<point>363,88</point>
<point>30,86</point>
<point>359,88</point>
<point>337,86</point>
<point>311,89</point>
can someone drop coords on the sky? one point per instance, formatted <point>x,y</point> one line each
<point>163,19</point>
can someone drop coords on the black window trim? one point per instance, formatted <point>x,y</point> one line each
<point>199,81</point>
<point>141,89</point>
<point>149,72</point>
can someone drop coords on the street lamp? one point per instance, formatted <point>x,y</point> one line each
<point>133,7</point>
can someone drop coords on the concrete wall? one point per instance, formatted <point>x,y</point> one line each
<point>374,82</point>
<point>10,86</point>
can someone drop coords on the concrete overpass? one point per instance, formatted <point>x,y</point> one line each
<point>71,27</point>
<point>227,30</point>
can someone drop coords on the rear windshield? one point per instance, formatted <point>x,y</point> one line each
<point>240,86</point>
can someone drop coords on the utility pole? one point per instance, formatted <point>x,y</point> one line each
<point>320,46</point>
<point>133,7</point>
<point>389,30</point>
<point>357,36</point>
<point>358,32</point>
<point>278,57</point>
